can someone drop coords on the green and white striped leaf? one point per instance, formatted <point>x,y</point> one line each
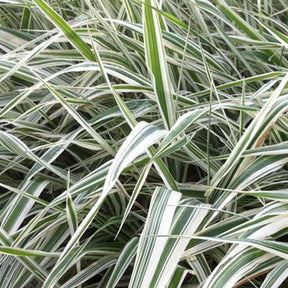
<point>73,37</point>
<point>127,255</point>
<point>90,271</point>
<point>157,63</point>
<point>159,220</point>
<point>141,137</point>
<point>157,258</point>
<point>276,277</point>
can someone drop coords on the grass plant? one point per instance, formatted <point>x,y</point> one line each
<point>143,144</point>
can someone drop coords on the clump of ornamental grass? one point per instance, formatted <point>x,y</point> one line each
<point>143,143</point>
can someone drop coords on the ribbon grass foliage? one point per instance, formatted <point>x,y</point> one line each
<point>143,143</point>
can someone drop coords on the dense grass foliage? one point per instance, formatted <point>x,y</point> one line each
<point>143,143</point>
